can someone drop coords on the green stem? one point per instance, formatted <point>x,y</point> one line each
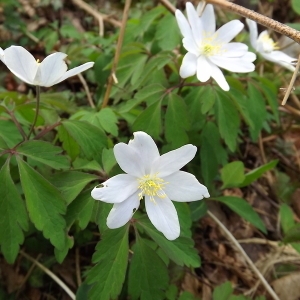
<point>36,111</point>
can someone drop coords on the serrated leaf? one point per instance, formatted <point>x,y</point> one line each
<point>176,121</point>
<point>71,183</point>
<point>60,255</point>
<point>181,251</point>
<point>81,210</point>
<point>111,256</point>
<point>14,217</point>
<point>232,174</point>
<point>44,203</point>
<point>108,120</point>
<point>45,153</point>
<point>10,133</point>
<point>152,272</point>
<point>243,209</point>
<point>223,291</point>
<point>228,120</point>
<point>258,172</point>
<point>68,143</point>
<point>90,138</point>
<point>149,120</point>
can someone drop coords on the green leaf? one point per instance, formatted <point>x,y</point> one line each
<point>10,133</point>
<point>296,6</point>
<point>232,174</point>
<point>223,291</point>
<point>108,159</point>
<point>44,203</point>
<point>68,143</point>
<point>108,120</point>
<point>152,278</point>
<point>198,209</point>
<point>228,120</point>
<point>45,153</point>
<point>80,209</point>
<point>60,255</point>
<point>71,183</point>
<point>176,121</point>
<point>111,256</point>
<point>181,251</point>
<point>149,120</point>
<point>258,172</point>
<point>292,235</point>
<point>14,217</point>
<point>286,217</point>
<point>243,209</point>
<point>90,138</point>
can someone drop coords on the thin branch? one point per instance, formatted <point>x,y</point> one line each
<point>87,90</point>
<point>244,254</point>
<point>291,85</point>
<point>112,76</point>
<point>261,19</point>
<point>50,274</point>
<point>168,5</point>
<point>46,130</point>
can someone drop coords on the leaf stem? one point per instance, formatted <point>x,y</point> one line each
<point>38,90</point>
<point>244,254</point>
<point>22,132</point>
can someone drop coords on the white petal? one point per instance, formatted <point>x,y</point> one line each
<point>184,187</point>
<point>190,45</point>
<point>2,54</point>
<point>121,213</point>
<point>174,160</point>
<point>51,69</point>
<point>183,24</point>
<point>253,32</point>
<point>75,71</point>
<point>116,189</point>
<point>145,146</point>
<point>234,50</point>
<point>228,31</point>
<point>203,69</point>
<point>195,22</point>
<point>218,76</point>
<point>189,65</point>
<point>129,160</point>
<point>280,58</point>
<point>208,19</point>
<point>163,216</point>
<point>232,64</point>
<point>21,63</point>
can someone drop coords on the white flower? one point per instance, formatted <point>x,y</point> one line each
<point>153,177</point>
<point>209,49</point>
<point>50,71</point>
<point>267,48</point>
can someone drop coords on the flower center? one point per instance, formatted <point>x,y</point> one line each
<point>151,185</point>
<point>210,47</point>
<point>268,43</point>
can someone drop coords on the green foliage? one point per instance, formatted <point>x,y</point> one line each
<point>296,6</point>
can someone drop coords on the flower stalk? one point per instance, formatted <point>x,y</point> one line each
<point>37,108</point>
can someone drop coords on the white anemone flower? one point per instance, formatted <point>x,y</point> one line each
<point>267,48</point>
<point>208,49</point>
<point>156,178</point>
<point>50,71</point>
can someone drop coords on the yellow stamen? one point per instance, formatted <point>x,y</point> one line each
<point>210,47</point>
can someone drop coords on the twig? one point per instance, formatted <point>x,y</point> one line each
<point>46,130</point>
<point>96,14</point>
<point>168,5</point>
<point>291,85</point>
<point>261,19</point>
<point>117,54</point>
<point>77,265</point>
<point>87,90</point>
<point>50,274</point>
<point>244,254</point>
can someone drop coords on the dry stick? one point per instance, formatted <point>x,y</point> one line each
<point>169,6</point>
<point>96,14</point>
<point>87,90</point>
<point>291,85</point>
<point>241,250</point>
<point>49,273</point>
<point>112,76</point>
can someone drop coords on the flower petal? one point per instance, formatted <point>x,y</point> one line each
<point>174,160</point>
<point>253,32</point>
<point>190,45</point>
<point>194,20</point>
<point>74,71</point>
<point>280,58</point>
<point>233,64</point>
<point>218,76</point>
<point>145,146</point>
<point>21,63</point>
<point>203,69</point>
<point>122,212</point>
<point>234,50</point>
<point>2,54</point>
<point>208,19</point>
<point>116,189</point>
<point>183,24</point>
<point>184,187</point>
<point>163,215</point>
<point>129,160</point>
<point>189,65</point>
<point>51,69</point>
<point>228,31</point>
